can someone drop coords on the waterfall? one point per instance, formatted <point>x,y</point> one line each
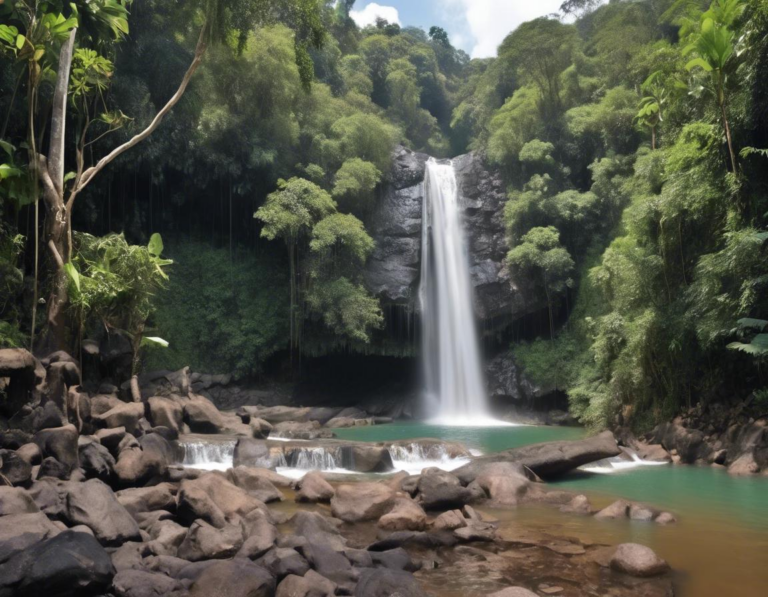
<point>454,384</point>
<point>208,455</point>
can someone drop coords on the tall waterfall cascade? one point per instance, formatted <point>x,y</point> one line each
<point>455,391</point>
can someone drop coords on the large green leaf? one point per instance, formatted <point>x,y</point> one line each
<point>155,246</point>
<point>154,341</point>
<point>73,274</point>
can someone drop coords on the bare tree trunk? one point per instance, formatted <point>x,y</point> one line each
<point>57,223</point>
<point>727,127</point>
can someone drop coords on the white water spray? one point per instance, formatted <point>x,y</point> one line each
<point>455,388</point>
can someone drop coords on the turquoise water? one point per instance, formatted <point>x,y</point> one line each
<point>681,489</point>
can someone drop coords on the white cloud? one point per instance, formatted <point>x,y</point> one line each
<point>490,21</point>
<point>369,14</point>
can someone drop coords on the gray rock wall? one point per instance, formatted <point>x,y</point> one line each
<point>393,272</point>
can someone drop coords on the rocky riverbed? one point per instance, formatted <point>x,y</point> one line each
<point>96,500</point>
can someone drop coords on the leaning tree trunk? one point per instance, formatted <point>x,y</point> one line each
<point>57,222</point>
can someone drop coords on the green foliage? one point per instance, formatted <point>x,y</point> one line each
<point>355,183</point>
<point>220,315</point>
<point>346,308</point>
<point>292,210</point>
<point>341,233</point>
<point>114,284</point>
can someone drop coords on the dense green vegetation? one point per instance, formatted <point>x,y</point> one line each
<point>630,134</point>
<point>632,142</point>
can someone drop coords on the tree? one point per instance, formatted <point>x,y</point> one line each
<point>540,252</point>
<point>540,51</point>
<point>220,19</point>
<point>715,48</point>
<point>355,181</point>
<point>650,112</point>
<point>290,213</point>
<point>439,35</point>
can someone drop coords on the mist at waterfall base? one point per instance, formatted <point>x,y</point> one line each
<point>454,386</point>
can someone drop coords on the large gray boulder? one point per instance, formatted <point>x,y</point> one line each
<point>236,578</point>
<point>19,532</point>
<point>71,563</point>
<point>548,459</point>
<point>637,560</point>
<point>362,501</point>
<point>94,504</point>
<point>382,582</point>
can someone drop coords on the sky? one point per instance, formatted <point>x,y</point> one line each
<point>476,26</point>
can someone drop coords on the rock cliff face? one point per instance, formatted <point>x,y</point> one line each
<point>393,272</point>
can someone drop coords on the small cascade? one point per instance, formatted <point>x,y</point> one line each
<point>628,461</point>
<point>208,455</point>
<point>414,457</point>
<point>455,387</point>
<point>314,459</point>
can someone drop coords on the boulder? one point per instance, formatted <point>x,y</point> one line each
<point>31,453</point>
<point>448,521</point>
<point>641,513</point>
<point>140,583</point>
<point>744,465</point>
<point>19,532</point>
<point>24,373</point>
<point>135,467</point>
<point>125,414</point>
<point>637,560</point>
<point>504,482</point>
<point>278,414</point>
<point>691,444</point>
<point>665,518</point>
<point>60,443</point>
<point>111,438</point>
<point>53,469</point>
<point>306,586</point>
<point>206,542</point>
<point>440,490</point>
<point>362,501</point>
<point>368,459</point>
<point>15,500</point>
<point>147,499</point>
<point>46,494</point>
<point>252,453</point>
<point>229,498</point>
<point>548,459</point>
<point>282,561</point>
<point>476,531</point>
<point>201,415</point>
<point>578,505</point>
<point>14,468</point>
<point>194,503</point>
<point>166,536</point>
<point>97,462</point>
<point>262,535</point>
<point>236,578</point>
<point>317,529</point>
<point>314,488</point>
<point>618,509</point>
<point>260,429</point>
<point>103,403</point>
<point>166,412</point>
<point>93,504</point>
<point>69,563</point>
<point>332,565</point>
<point>254,484</point>
<point>300,430</point>
<point>405,515</point>
<point>382,582</point>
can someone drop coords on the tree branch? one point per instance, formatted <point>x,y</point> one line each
<point>55,252</point>
<point>103,162</point>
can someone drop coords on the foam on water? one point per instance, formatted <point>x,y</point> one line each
<point>615,465</point>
